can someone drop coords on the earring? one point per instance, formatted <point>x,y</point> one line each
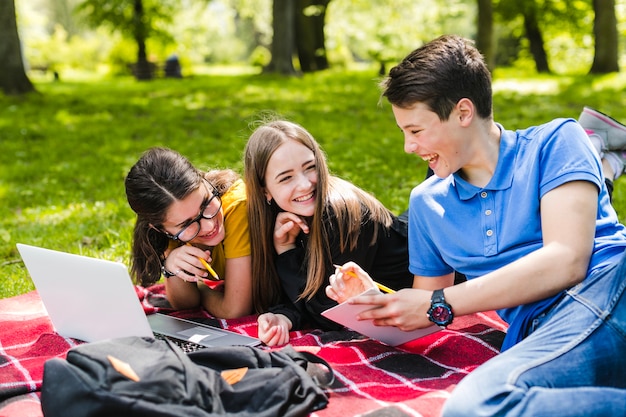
<point>269,202</point>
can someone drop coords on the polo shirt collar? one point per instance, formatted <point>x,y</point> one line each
<point>503,176</point>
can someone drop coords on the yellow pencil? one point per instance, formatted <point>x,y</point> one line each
<point>211,270</point>
<point>380,286</point>
<point>208,268</point>
<point>384,288</point>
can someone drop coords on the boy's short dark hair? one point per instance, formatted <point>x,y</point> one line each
<point>439,74</point>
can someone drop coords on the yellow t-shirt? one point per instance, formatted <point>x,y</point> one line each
<point>236,241</point>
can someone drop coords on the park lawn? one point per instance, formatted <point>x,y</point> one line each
<point>65,151</point>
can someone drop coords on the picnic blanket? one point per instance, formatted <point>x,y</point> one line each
<point>371,379</point>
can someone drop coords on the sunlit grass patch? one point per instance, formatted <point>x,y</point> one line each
<point>65,151</point>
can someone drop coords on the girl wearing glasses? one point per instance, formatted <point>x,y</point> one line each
<point>185,218</point>
<point>305,221</point>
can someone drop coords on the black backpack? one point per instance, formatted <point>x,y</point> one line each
<point>136,376</point>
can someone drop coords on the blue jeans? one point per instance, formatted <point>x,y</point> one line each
<point>573,363</point>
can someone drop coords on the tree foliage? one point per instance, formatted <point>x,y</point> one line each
<point>386,30</point>
<point>543,26</point>
<point>135,19</point>
<point>551,35</point>
<point>119,15</point>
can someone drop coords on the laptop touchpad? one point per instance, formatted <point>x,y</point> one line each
<point>197,334</point>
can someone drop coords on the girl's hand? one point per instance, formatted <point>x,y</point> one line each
<point>274,329</point>
<point>183,262</point>
<point>348,281</point>
<point>286,229</point>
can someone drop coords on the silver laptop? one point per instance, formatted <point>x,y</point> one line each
<point>93,299</point>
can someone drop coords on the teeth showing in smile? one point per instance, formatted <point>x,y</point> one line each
<point>210,235</point>
<point>304,198</point>
<point>429,158</point>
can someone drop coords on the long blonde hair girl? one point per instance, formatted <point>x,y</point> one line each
<point>351,206</point>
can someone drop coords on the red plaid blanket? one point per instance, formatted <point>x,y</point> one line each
<point>372,379</point>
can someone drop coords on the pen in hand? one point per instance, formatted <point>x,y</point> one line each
<point>211,270</point>
<point>208,267</point>
<point>380,286</point>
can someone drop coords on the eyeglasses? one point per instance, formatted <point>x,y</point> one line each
<point>208,210</point>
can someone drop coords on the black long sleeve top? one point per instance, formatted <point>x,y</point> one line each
<point>387,262</point>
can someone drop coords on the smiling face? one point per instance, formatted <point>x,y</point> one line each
<point>434,141</point>
<point>182,213</point>
<point>291,178</point>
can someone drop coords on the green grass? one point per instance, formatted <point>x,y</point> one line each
<point>64,152</point>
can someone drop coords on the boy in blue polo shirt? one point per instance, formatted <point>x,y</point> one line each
<point>526,216</point>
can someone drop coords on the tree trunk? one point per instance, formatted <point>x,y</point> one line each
<point>310,38</point>
<point>283,23</point>
<point>13,79</point>
<point>605,57</point>
<point>143,70</point>
<point>535,38</point>
<point>484,32</point>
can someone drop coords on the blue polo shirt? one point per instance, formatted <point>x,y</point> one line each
<point>454,225</point>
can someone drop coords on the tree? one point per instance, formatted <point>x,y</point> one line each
<point>484,32</point>
<point>310,39</point>
<point>535,36</point>
<point>283,22</point>
<point>566,25</point>
<point>136,19</point>
<point>605,57</point>
<point>298,27</point>
<point>530,11</point>
<point>13,78</point>
<point>143,71</point>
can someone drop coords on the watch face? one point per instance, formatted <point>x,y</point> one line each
<point>440,313</point>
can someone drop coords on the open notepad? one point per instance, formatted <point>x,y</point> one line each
<point>346,313</point>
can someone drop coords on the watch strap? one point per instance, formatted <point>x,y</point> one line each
<point>438,297</point>
<point>165,272</point>
<point>438,301</point>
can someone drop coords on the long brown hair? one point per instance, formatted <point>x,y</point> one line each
<point>160,177</point>
<point>351,206</point>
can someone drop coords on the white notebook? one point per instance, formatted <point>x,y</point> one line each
<point>346,313</point>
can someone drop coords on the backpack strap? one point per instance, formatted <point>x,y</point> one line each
<point>323,375</point>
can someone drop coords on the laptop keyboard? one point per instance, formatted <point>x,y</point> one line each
<point>185,345</point>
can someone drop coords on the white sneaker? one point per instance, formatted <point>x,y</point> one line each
<point>612,132</point>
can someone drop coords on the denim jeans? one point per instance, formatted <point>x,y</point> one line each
<point>573,363</point>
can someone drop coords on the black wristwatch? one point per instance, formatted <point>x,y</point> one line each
<point>440,312</point>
